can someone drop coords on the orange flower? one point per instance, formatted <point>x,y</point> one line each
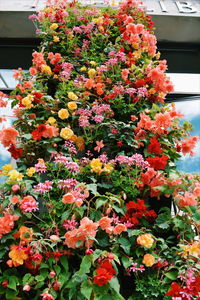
<point>14,199</point>
<point>105,222</point>
<point>89,84</point>
<point>8,135</point>
<point>25,234</point>
<point>68,198</point>
<point>145,240</point>
<point>148,260</point>
<point>80,143</point>
<point>18,255</point>
<point>119,229</point>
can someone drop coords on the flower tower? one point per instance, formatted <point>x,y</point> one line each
<point>86,214</point>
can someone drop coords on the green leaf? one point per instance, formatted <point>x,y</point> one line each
<point>85,265</point>
<point>100,202</point>
<point>132,232</point>
<point>39,278</point>
<point>64,262</point>
<point>92,187</point>
<point>10,293</point>
<point>86,289</point>
<point>57,269</point>
<point>126,261</point>
<point>12,282</point>
<point>114,284</point>
<point>172,275</point>
<point>27,278</point>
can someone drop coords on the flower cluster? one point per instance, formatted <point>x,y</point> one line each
<point>89,201</point>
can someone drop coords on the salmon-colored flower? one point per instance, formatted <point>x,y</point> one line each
<point>68,198</point>
<point>187,200</point>
<point>8,136</point>
<point>50,131</point>
<point>105,222</point>
<point>15,199</point>
<point>85,234</point>
<point>119,228</point>
<point>7,223</point>
<point>148,260</point>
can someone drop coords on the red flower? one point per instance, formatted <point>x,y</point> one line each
<point>38,132</point>
<point>136,211</point>
<point>37,97</point>
<point>158,163</point>
<point>154,146</point>
<point>104,273</point>
<point>119,144</point>
<point>15,152</point>
<point>175,290</point>
<point>102,277</point>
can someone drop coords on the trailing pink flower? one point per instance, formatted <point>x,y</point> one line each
<point>28,204</point>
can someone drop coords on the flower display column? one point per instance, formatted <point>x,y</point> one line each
<point>86,212</point>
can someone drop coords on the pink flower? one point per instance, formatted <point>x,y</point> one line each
<point>47,296</point>
<point>26,288</point>
<point>28,204</point>
<point>100,145</point>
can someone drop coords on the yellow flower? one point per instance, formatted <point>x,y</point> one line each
<point>54,26</point>
<point>96,165</point>
<point>91,73</point>
<point>6,169</point>
<point>63,114</point>
<point>83,69</point>
<point>56,39</point>
<point>66,133</point>
<point>14,175</point>
<point>93,63</point>
<point>51,121</point>
<point>27,101</point>
<point>108,168</point>
<point>72,105</point>
<point>193,249</point>
<point>145,240</point>
<point>46,70</point>
<point>98,20</point>
<point>30,171</point>
<point>148,260</point>
<point>72,96</point>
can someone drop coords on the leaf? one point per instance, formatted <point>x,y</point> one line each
<point>100,202</point>
<point>13,280</point>
<point>132,232</point>
<point>86,289</point>
<point>114,284</point>
<point>57,269</point>
<point>39,278</point>
<point>27,278</point>
<point>64,262</point>
<point>126,261</point>
<point>93,188</point>
<point>85,265</point>
<point>10,294</point>
<point>172,275</point>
